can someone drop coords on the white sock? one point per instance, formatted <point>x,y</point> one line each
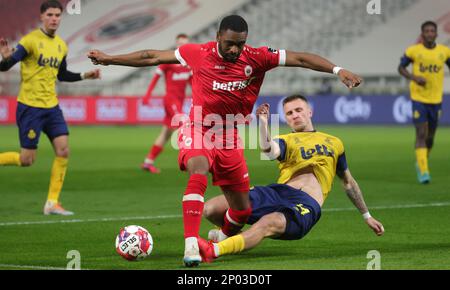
<point>190,243</point>
<point>216,249</point>
<point>148,161</point>
<point>222,236</point>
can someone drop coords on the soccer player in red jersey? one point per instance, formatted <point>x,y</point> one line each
<point>227,76</point>
<point>177,78</point>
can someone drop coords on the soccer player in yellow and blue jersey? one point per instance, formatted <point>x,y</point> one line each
<point>287,210</point>
<point>42,54</point>
<point>426,90</point>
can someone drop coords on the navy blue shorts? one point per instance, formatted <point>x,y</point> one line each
<point>32,121</point>
<point>426,113</point>
<point>301,211</point>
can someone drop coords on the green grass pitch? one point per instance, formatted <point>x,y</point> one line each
<point>107,190</point>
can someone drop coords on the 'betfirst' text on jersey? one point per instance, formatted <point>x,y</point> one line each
<point>322,152</point>
<point>430,64</point>
<point>221,87</point>
<point>39,69</point>
<point>177,77</point>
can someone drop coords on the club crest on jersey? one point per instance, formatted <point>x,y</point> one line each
<point>248,71</point>
<point>31,134</point>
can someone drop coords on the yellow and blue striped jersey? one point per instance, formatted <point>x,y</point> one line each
<point>323,152</point>
<point>430,64</point>
<point>39,68</point>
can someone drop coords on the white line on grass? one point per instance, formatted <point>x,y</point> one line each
<point>109,219</point>
<point>30,267</point>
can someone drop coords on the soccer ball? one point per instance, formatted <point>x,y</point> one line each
<point>134,243</point>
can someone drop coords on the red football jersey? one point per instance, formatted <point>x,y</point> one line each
<point>222,87</point>
<point>177,77</point>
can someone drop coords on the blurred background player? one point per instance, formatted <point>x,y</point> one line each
<point>177,77</point>
<point>426,90</point>
<point>287,210</point>
<point>227,77</point>
<point>42,54</point>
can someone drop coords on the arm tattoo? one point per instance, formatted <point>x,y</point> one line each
<point>355,195</point>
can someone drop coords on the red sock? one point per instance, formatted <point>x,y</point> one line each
<point>154,152</point>
<point>193,204</point>
<point>234,220</point>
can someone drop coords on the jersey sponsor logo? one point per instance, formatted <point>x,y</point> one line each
<point>318,149</point>
<point>432,68</point>
<point>402,110</point>
<point>344,109</point>
<point>51,62</point>
<point>232,86</point>
<point>183,76</point>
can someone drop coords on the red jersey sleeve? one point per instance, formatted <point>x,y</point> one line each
<point>189,55</point>
<point>271,58</point>
<point>161,69</point>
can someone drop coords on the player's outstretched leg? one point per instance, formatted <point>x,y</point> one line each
<point>270,225</point>
<point>10,158</point>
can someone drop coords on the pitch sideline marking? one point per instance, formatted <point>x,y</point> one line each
<point>6,224</point>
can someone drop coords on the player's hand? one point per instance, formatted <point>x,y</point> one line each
<point>349,79</point>
<point>98,57</point>
<point>263,111</point>
<point>5,50</point>
<point>93,75</point>
<point>421,81</point>
<point>375,225</point>
<point>146,100</point>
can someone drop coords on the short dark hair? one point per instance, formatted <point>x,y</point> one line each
<point>51,4</point>
<point>182,35</point>
<point>234,23</point>
<point>293,98</point>
<point>428,23</point>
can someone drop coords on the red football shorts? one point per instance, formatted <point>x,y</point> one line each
<point>172,107</point>
<point>226,163</point>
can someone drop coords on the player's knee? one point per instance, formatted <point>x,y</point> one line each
<point>63,152</point>
<point>208,211</point>
<point>26,160</point>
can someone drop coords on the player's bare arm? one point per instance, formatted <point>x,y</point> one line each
<point>136,59</point>
<point>318,63</point>
<point>354,193</point>
<point>403,71</point>
<point>267,145</point>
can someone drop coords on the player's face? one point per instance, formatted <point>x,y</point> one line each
<point>429,34</point>
<point>51,19</point>
<point>231,44</point>
<point>298,115</point>
<point>182,41</point>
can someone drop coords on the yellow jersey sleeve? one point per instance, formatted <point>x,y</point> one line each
<point>27,43</point>
<point>410,52</point>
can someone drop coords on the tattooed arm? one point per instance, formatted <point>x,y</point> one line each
<point>354,193</point>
